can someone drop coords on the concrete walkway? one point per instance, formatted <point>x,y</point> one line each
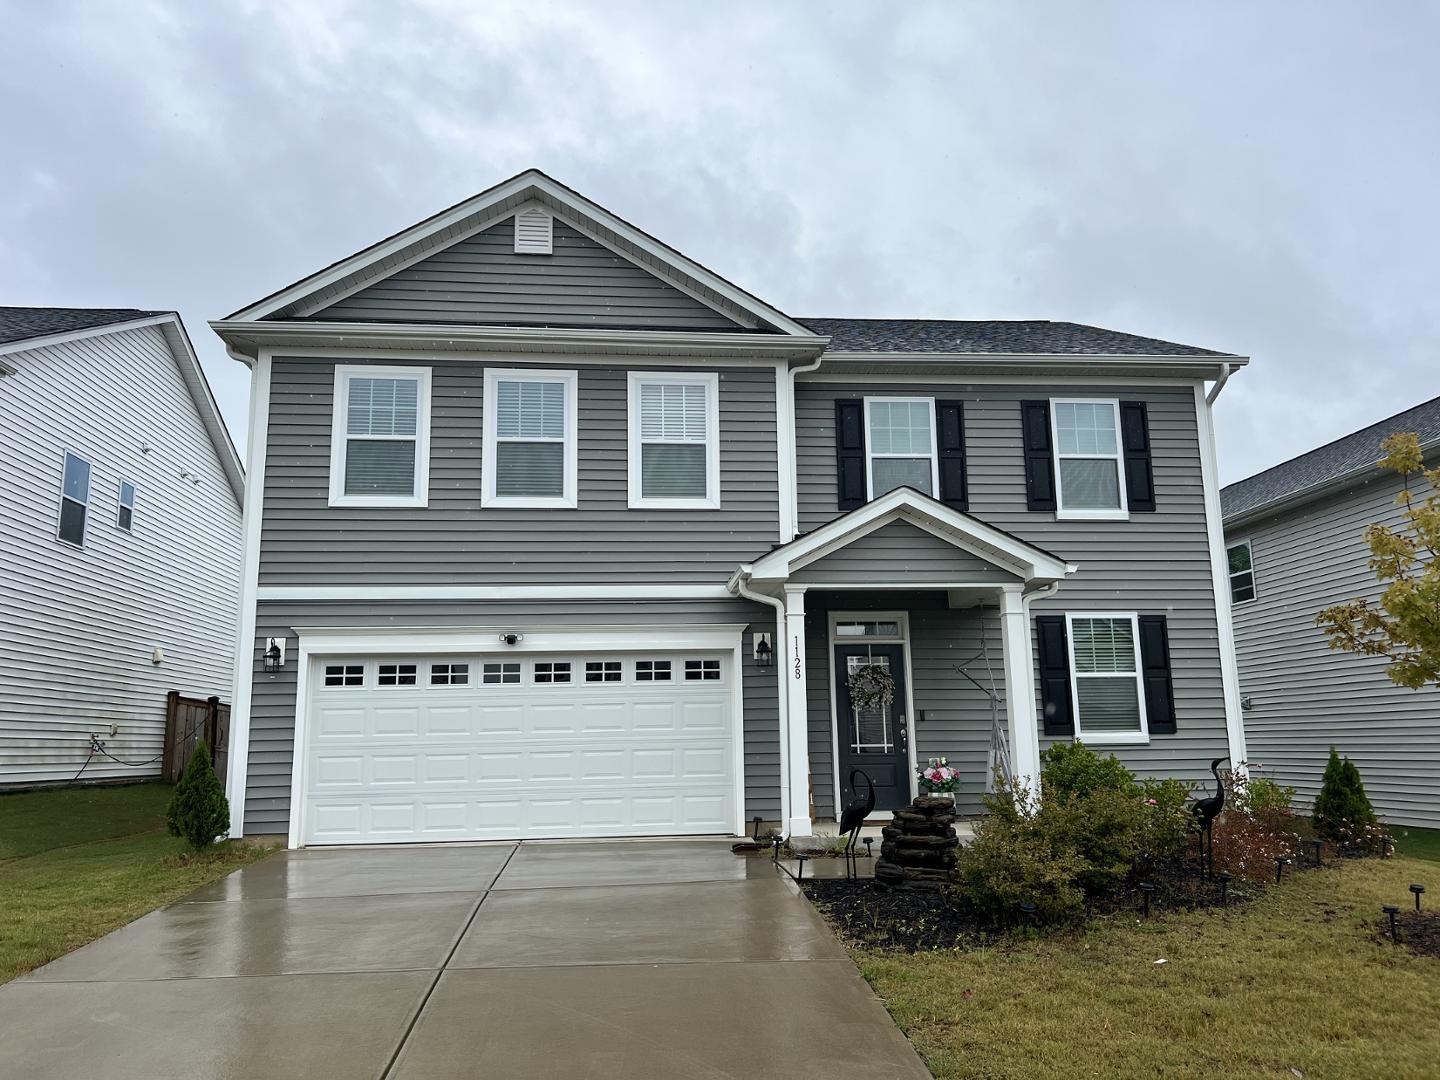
<point>635,960</point>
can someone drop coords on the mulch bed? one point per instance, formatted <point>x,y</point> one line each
<point>1419,931</point>
<point>869,914</point>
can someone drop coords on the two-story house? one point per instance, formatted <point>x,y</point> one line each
<point>1296,536</point>
<point>120,493</point>
<point>553,532</point>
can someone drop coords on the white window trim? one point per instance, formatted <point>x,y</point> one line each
<point>870,454</point>
<point>711,381</point>
<point>339,439</point>
<point>84,503</point>
<point>120,502</point>
<point>1108,738</point>
<point>488,498</point>
<point>1120,513</point>
<point>1230,577</point>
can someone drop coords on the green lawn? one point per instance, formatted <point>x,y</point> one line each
<point>75,863</point>
<point>1417,843</point>
<point>1294,981</point>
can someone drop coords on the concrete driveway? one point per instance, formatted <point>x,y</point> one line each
<point>656,959</point>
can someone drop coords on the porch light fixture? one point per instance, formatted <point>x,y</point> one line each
<point>764,651</point>
<point>274,656</point>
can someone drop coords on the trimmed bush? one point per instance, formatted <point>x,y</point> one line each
<point>1075,769</point>
<point>1343,814</point>
<point>198,810</point>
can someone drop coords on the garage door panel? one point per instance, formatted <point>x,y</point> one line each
<point>527,757</point>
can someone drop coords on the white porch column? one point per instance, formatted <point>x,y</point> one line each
<point>792,658</point>
<point>1020,689</point>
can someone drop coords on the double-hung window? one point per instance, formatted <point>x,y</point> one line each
<point>530,435</point>
<point>380,443</point>
<point>74,500</point>
<point>674,453</point>
<point>1105,677</point>
<point>1242,572</point>
<point>125,514</point>
<point>1089,473</point>
<point>900,437</point>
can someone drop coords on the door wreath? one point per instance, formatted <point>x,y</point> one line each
<point>871,687</point>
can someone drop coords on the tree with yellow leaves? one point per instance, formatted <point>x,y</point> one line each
<point>1405,626</point>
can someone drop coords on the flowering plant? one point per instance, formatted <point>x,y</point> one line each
<point>938,778</point>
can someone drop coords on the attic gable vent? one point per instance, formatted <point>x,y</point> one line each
<point>533,230</point>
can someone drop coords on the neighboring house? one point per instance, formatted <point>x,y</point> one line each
<point>553,532</point>
<point>120,556</point>
<point>1296,545</point>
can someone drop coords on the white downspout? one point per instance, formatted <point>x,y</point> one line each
<point>737,585</point>
<point>792,479</point>
<point>1219,384</point>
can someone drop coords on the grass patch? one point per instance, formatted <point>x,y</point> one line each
<point>1295,980</point>
<point>67,888</point>
<point>1417,843</point>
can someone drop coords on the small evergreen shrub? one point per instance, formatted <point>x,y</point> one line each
<point>1343,814</point>
<point>1075,769</point>
<point>198,810</point>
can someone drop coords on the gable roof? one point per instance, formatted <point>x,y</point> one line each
<point>1327,466</point>
<point>1035,337</point>
<point>965,531</point>
<point>39,327</point>
<point>465,218</point>
<point>24,323</point>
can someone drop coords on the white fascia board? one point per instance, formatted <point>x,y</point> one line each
<point>454,640</point>
<point>364,593</point>
<point>1030,562</point>
<point>526,183</point>
<point>90,331</point>
<point>481,342</point>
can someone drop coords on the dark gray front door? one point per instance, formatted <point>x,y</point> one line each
<point>873,739</point>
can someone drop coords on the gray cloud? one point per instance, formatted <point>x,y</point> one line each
<point>1255,178</point>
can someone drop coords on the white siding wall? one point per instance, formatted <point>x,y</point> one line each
<point>77,627</point>
<point>1305,698</point>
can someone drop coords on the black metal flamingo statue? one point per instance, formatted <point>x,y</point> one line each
<point>853,820</point>
<point>1206,811</point>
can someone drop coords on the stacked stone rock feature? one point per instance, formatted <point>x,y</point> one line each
<point>918,848</point>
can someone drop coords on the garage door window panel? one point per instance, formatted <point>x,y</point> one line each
<point>449,674</point>
<point>652,670</point>
<point>499,674</point>
<point>396,675</point>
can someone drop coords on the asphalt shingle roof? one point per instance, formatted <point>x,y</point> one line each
<point>1035,337</point>
<point>22,323</point>
<point>1354,453</point>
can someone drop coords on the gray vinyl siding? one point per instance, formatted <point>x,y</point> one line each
<point>1304,697</point>
<point>900,552</point>
<point>452,541</point>
<point>272,715</point>
<point>957,722</point>
<point>480,280</point>
<point>1154,563</point>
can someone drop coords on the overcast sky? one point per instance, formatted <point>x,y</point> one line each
<point>1256,178</point>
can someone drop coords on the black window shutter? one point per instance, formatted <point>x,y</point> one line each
<point>850,452</point>
<point>1135,440</point>
<point>951,419</point>
<point>1155,669</point>
<point>1039,464</point>
<point>1054,660</point>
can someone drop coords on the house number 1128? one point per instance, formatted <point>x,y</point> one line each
<point>799,671</point>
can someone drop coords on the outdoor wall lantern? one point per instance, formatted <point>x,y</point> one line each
<point>764,651</point>
<point>274,655</point>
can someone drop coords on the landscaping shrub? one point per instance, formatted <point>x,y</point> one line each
<point>1258,796</point>
<point>1012,860</point>
<point>198,810</point>
<point>1247,844</point>
<point>1075,769</point>
<point>1343,814</point>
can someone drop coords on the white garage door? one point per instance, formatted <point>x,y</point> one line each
<point>408,748</point>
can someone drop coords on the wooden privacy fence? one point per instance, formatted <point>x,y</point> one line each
<point>188,720</point>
